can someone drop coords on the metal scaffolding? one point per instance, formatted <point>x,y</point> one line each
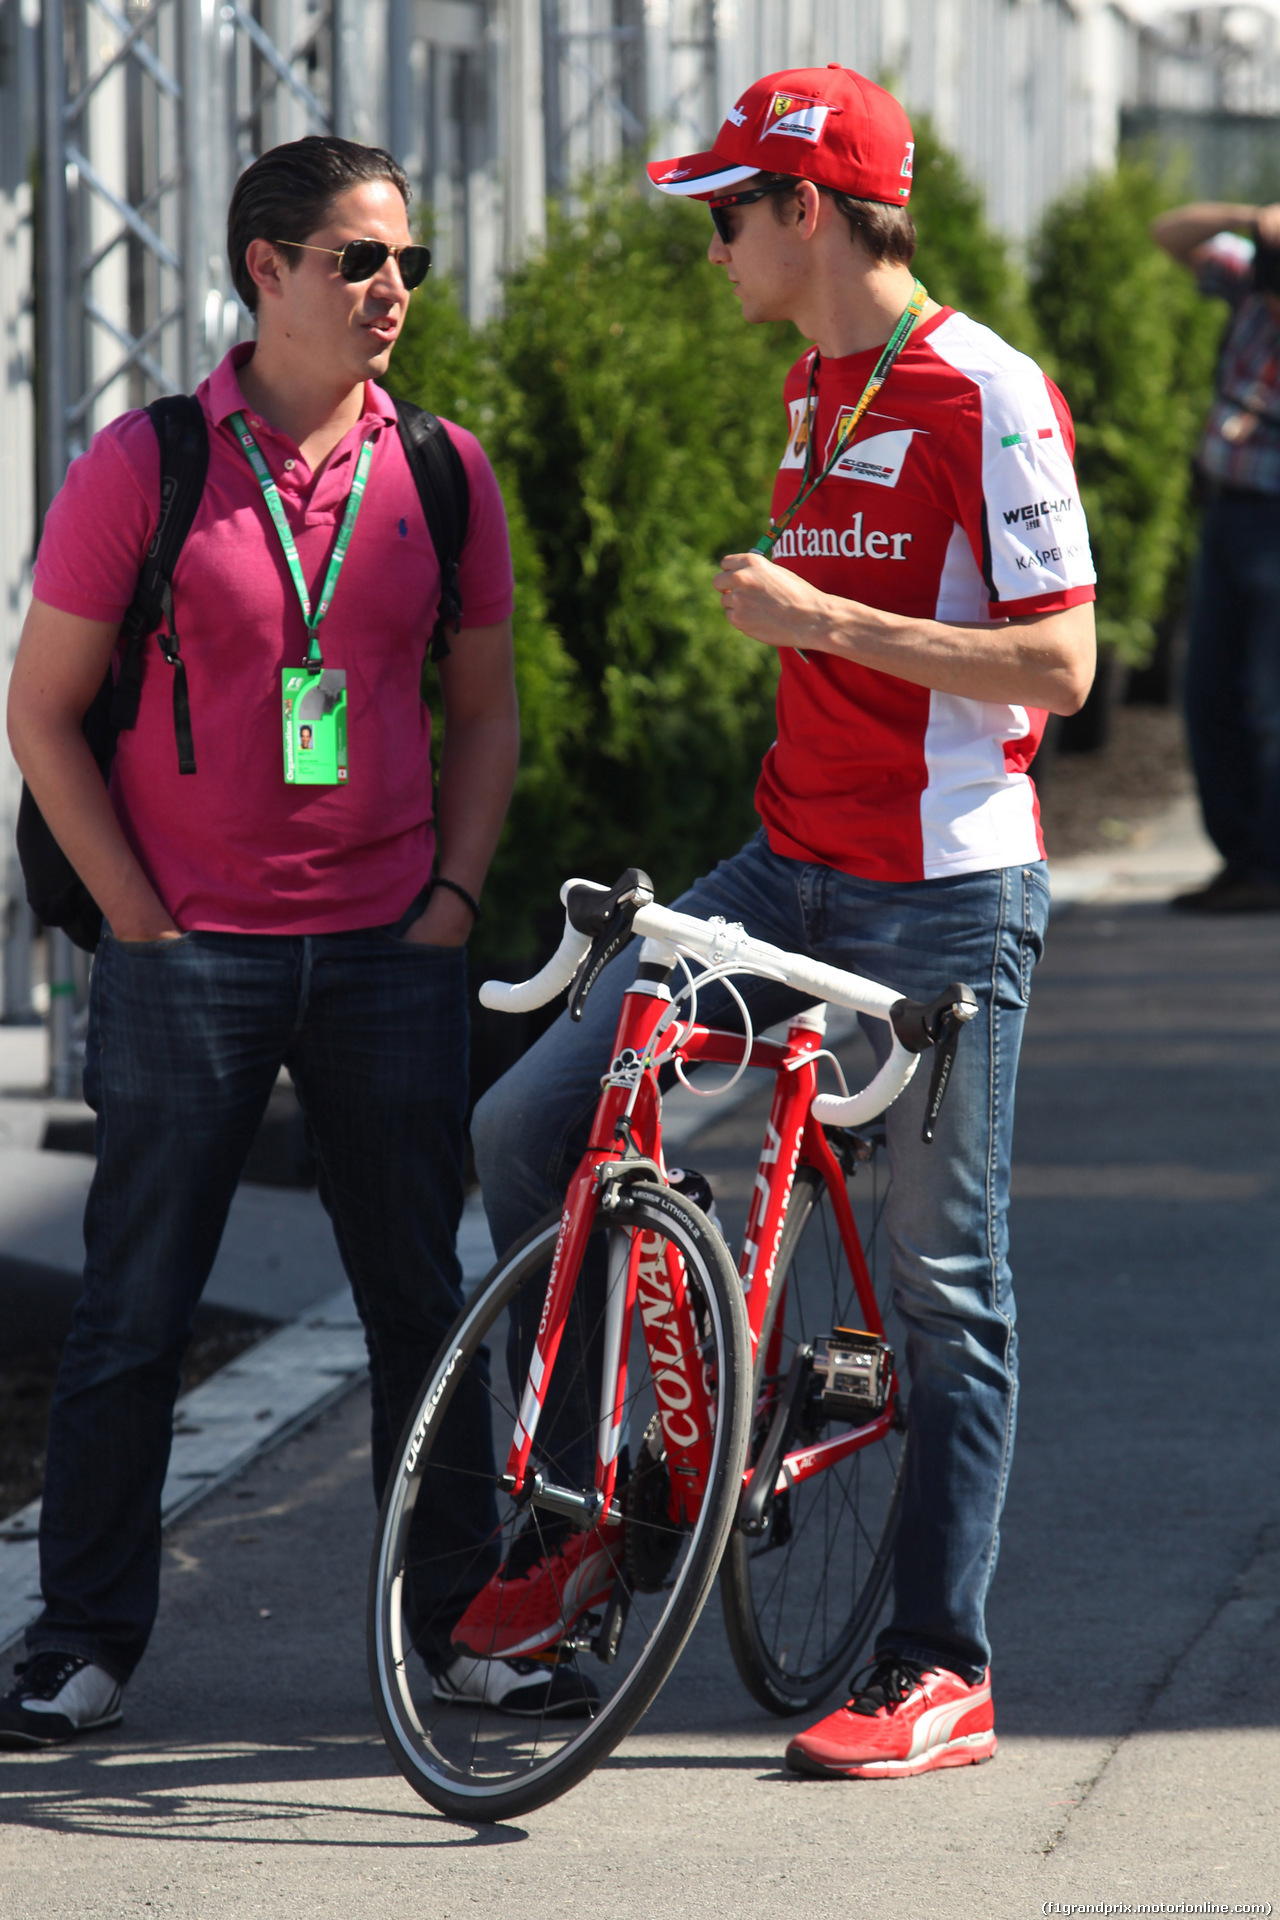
<point>148,112</point>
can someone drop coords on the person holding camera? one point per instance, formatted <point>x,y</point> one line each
<point>1232,690</point>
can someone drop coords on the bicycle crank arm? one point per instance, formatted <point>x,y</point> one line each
<point>581,1510</point>
<point>757,1497</point>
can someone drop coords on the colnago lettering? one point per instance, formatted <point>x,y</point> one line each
<point>1037,510</point>
<point>670,1369</point>
<point>849,543</point>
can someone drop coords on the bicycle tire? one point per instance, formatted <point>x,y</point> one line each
<point>503,1774</point>
<point>798,1609</point>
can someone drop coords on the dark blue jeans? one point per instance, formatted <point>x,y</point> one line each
<point>185,1041</point>
<point>1232,688</point>
<point>947,1213</point>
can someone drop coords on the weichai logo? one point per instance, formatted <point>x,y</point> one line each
<point>671,1380</point>
<point>1035,511</point>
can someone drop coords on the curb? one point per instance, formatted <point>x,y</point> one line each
<point>253,1404</point>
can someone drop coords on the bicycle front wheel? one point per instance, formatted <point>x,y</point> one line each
<point>473,1760</point>
<point>801,1601</point>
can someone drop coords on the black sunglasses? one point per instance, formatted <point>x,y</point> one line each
<point>721,206</point>
<point>361,259</point>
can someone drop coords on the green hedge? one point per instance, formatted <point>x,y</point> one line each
<point>1132,344</point>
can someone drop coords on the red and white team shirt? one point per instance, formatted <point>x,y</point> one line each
<point>957,501</point>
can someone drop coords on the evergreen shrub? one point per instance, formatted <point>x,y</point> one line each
<point>441,363</point>
<point>1132,345</point>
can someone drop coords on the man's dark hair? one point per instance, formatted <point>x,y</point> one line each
<point>288,192</point>
<point>887,233</point>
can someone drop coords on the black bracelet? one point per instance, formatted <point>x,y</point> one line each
<point>452,885</point>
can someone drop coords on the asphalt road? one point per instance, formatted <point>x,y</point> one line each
<point>1136,1613</point>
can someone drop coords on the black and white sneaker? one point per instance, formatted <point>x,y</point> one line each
<point>58,1695</point>
<point>533,1689</point>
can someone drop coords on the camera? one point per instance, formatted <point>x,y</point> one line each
<point>1266,266</point>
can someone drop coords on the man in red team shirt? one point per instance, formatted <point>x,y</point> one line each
<point>931,602</point>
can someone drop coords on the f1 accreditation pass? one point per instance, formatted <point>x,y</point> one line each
<point>957,501</point>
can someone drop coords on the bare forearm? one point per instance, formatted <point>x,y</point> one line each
<point>477,774</point>
<point>1183,229</point>
<point>64,779</point>
<point>1031,665</point>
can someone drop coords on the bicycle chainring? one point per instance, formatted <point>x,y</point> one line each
<point>652,1541</point>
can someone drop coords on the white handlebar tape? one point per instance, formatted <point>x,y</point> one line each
<point>544,986</point>
<point>833,1111</point>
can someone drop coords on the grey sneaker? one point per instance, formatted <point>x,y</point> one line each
<point>58,1695</point>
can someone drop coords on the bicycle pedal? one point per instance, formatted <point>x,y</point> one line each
<point>854,1370</point>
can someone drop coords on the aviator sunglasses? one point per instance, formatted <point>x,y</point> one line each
<point>721,207</point>
<point>361,259</point>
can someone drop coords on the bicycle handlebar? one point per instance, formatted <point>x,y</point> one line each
<point>554,977</point>
<point>723,944</point>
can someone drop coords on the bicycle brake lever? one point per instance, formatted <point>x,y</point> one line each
<point>609,917</point>
<point>605,947</point>
<point>947,1029</point>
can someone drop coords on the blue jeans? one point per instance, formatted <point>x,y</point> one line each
<point>1232,688</point>
<point>185,1041</point>
<point>947,1213</point>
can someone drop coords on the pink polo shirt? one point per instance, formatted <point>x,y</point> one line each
<point>232,848</point>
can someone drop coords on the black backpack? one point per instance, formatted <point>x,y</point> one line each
<point>55,890</point>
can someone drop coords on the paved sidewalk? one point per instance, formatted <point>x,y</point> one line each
<point>1136,1612</point>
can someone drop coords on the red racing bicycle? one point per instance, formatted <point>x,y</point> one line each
<point>658,1415</point>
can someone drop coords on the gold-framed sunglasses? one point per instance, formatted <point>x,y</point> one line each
<point>361,259</point>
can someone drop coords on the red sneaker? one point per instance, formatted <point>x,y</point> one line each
<point>905,1719</point>
<point>529,1605</point>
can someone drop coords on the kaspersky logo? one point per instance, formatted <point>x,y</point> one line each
<point>737,116</point>
<point>795,117</point>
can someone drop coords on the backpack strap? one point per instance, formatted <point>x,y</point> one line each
<point>180,428</point>
<point>443,489</point>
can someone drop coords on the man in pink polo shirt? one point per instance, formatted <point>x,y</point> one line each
<point>276,907</point>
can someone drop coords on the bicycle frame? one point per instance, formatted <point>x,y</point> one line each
<point>637,1276</point>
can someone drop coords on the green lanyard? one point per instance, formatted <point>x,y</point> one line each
<point>271,495</point>
<point>893,347</point>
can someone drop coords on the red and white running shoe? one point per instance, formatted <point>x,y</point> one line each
<point>904,1719</point>
<point>531,1604</point>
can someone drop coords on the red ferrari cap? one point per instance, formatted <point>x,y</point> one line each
<point>825,124</point>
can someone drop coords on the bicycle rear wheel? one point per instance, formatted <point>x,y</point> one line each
<point>473,1761</point>
<point>801,1601</point>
